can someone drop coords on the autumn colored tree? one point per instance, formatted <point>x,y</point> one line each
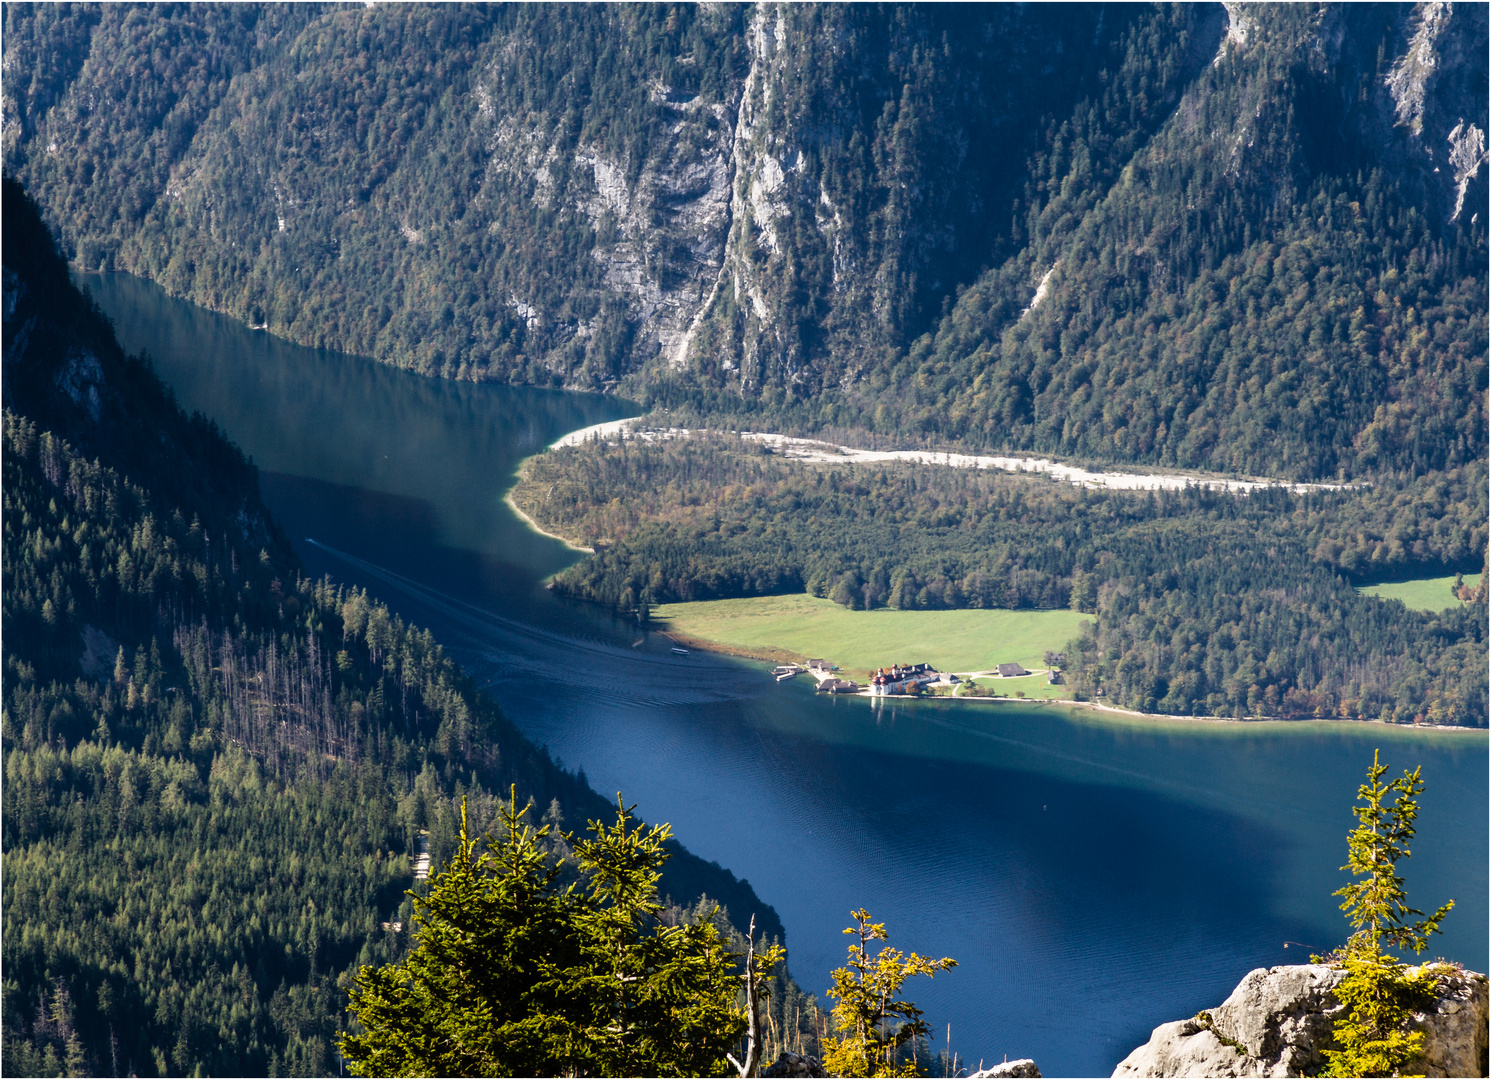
<point>871,1020</point>
<point>1379,991</point>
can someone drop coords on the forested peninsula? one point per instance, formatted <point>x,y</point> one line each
<point>1206,603</point>
<point>219,774</point>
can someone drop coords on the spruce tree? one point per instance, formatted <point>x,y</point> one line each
<point>512,975</point>
<point>483,991</point>
<point>1379,992</point>
<point>868,1008</point>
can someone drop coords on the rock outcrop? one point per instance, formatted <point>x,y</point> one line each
<point>790,1064</point>
<point>1279,1020</point>
<point>1020,1067</point>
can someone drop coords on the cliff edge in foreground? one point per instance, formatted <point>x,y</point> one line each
<point>1278,1020</point>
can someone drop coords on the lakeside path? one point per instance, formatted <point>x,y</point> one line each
<point>817,451</point>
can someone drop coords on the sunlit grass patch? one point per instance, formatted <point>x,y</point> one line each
<point>1422,594</point>
<point>965,640</point>
<point>1030,687</point>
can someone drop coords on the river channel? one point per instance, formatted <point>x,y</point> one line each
<point>1093,876</point>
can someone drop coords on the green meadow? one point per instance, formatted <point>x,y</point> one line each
<point>1422,594</point>
<point>859,641</point>
<point>1033,687</point>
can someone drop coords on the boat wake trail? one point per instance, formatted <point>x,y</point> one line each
<point>497,648</point>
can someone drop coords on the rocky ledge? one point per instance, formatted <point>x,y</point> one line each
<point>1022,1067</point>
<point>789,1064</point>
<point>1279,1020</point>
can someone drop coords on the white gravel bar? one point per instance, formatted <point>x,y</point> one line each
<point>815,450</point>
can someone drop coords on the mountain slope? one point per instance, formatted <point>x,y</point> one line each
<point>1259,292</point>
<point>218,773</point>
<point>1257,235</point>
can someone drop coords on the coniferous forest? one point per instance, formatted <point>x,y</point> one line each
<point>1205,602</point>
<point>1246,240</point>
<point>218,772</point>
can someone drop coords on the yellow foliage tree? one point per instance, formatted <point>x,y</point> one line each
<point>872,1023</point>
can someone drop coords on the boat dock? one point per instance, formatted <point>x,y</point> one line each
<point>898,680</point>
<point>825,674</point>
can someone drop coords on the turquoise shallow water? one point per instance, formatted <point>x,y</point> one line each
<point>1093,876</point>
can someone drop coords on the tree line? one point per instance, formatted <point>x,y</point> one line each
<point>1204,602</point>
<point>218,772</point>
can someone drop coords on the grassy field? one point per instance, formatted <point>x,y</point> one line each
<point>801,626</point>
<point>1423,594</point>
<point>1035,688</point>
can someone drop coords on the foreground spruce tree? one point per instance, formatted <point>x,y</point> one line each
<point>1379,993</point>
<point>871,1020</point>
<point>515,976</point>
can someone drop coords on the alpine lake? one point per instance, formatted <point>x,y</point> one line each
<point>1093,876</point>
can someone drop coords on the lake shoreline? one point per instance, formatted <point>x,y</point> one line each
<point>536,527</point>
<point>771,655</point>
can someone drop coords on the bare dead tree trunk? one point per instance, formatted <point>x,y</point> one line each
<point>753,1010</point>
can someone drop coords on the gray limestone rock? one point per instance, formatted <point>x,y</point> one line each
<point>1020,1067</point>
<point>790,1064</point>
<point>1279,1020</point>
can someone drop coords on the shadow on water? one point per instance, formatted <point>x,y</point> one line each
<point>1094,876</point>
<point>1127,873</point>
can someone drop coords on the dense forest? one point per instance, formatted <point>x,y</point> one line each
<point>1264,282</point>
<point>218,772</point>
<point>1206,602</point>
<point>1249,240</point>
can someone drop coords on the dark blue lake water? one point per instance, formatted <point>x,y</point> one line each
<point>1093,877</point>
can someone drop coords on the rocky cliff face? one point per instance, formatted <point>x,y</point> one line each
<point>762,202</point>
<point>1407,84</point>
<point>1278,1020</point>
<point>878,155</point>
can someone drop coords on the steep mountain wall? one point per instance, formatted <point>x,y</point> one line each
<point>927,221</point>
<point>880,155</point>
<point>543,193</point>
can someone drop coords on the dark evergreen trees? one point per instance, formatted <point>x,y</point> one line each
<point>217,771</point>
<point>514,975</point>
